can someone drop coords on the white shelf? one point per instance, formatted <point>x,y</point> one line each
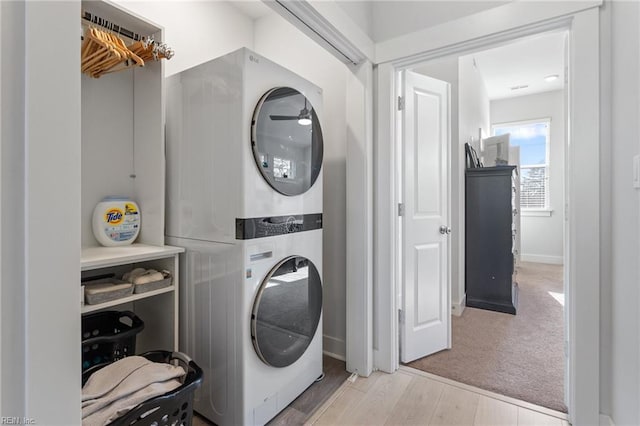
<point>91,308</point>
<point>103,257</point>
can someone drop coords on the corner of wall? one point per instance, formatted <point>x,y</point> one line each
<point>335,348</point>
<point>457,308</point>
<point>12,266</point>
<point>606,420</point>
<point>606,370</point>
<point>52,254</point>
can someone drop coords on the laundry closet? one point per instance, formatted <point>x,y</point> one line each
<point>241,167</point>
<point>130,278</point>
<point>123,155</point>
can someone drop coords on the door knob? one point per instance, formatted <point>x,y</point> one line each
<point>445,230</point>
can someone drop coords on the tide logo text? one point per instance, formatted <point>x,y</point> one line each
<point>113,216</point>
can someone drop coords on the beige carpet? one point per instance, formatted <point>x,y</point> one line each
<point>519,356</point>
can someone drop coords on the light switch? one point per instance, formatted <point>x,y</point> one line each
<point>636,171</point>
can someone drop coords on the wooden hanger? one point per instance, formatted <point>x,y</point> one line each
<point>150,49</point>
<point>104,51</point>
<point>143,48</point>
<point>102,66</point>
<point>130,54</point>
<point>130,58</point>
<point>97,52</point>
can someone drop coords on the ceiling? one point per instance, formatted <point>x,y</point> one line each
<point>523,63</point>
<point>255,9</point>
<point>384,19</point>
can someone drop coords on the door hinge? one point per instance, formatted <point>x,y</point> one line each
<point>401,316</point>
<point>400,209</point>
<point>400,103</point>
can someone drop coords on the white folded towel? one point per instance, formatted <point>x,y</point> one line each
<point>117,388</point>
<point>144,276</point>
<point>129,276</point>
<point>148,276</point>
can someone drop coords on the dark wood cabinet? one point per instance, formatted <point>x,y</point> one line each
<point>490,210</point>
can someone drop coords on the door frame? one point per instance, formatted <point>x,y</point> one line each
<point>582,183</point>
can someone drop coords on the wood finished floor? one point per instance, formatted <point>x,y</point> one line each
<point>303,407</point>
<point>412,397</point>
<point>407,397</point>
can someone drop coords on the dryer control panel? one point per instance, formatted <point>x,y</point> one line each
<point>259,227</point>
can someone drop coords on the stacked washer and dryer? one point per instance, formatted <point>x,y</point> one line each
<point>244,197</point>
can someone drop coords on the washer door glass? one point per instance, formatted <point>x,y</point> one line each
<point>287,141</point>
<point>286,311</point>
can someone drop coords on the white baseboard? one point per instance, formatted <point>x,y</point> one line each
<point>335,356</point>
<point>540,258</point>
<point>458,308</point>
<point>335,348</point>
<point>606,420</point>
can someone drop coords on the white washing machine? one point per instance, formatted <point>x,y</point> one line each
<point>244,198</point>
<point>243,141</point>
<point>251,317</point>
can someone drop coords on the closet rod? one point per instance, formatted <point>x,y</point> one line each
<point>94,19</point>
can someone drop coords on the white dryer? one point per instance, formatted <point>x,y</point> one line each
<point>244,198</point>
<point>243,141</point>
<point>251,317</point>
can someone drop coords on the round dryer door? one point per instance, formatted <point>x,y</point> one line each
<point>287,141</point>
<point>286,311</point>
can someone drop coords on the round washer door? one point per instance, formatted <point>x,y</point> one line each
<point>286,139</point>
<point>286,311</point>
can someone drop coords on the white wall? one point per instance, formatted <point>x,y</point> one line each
<point>1,203</point>
<point>436,33</point>
<point>359,220</point>
<point>12,265</point>
<point>278,40</point>
<point>361,12</point>
<point>394,18</point>
<point>605,211</point>
<point>40,182</point>
<point>474,107</point>
<point>198,31</point>
<point>473,114</point>
<point>542,236</point>
<point>625,213</point>
<point>52,173</point>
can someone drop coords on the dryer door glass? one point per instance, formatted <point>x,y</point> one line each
<point>286,311</point>
<point>287,141</point>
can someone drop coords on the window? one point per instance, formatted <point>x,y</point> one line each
<point>533,139</point>
<point>283,168</point>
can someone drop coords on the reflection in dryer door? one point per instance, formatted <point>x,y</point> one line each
<point>286,139</point>
<point>286,311</point>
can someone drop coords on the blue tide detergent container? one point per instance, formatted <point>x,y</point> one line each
<point>116,221</point>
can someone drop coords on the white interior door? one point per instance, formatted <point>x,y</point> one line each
<point>426,309</point>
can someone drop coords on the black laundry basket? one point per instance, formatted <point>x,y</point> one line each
<point>109,336</point>
<point>172,408</point>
